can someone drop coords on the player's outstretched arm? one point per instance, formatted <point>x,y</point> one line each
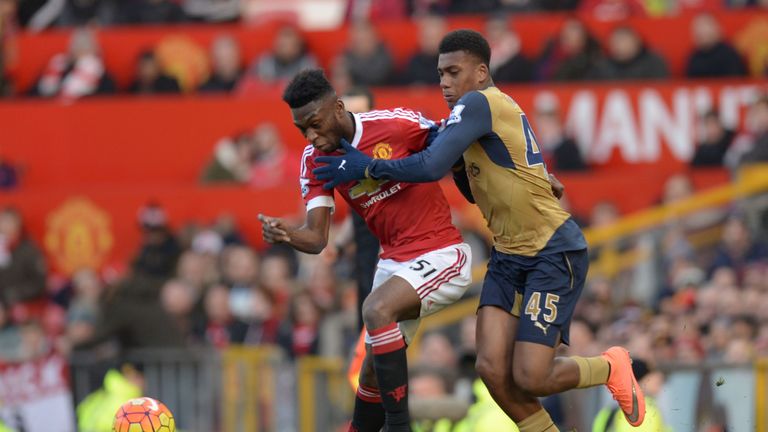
<point>312,237</point>
<point>469,121</point>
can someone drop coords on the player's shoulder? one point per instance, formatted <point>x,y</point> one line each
<point>389,115</point>
<point>395,118</point>
<point>498,99</point>
<point>308,156</point>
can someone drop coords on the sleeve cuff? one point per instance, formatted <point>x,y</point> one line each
<point>321,201</point>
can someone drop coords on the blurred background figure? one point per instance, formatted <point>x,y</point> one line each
<point>148,12</point>
<point>629,59</point>
<point>561,152</point>
<point>374,10</point>
<point>272,163</point>
<point>77,73</point>
<point>22,265</point>
<point>232,159</point>
<point>9,175</point>
<point>714,141</point>
<point>160,251</point>
<point>571,56</point>
<point>712,56</point>
<point>751,147</point>
<point>225,65</point>
<point>366,57</point>
<point>84,311</point>
<point>422,66</point>
<point>289,56</point>
<point>150,77</point>
<point>613,10</point>
<point>212,10</point>
<point>8,27</point>
<point>508,64</point>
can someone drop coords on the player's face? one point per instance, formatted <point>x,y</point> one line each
<point>460,73</point>
<point>319,122</point>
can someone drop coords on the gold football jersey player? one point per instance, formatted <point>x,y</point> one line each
<point>506,172</point>
<point>510,183</point>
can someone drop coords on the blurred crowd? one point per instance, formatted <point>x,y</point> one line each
<point>698,292</point>
<point>180,65</point>
<point>41,14</point>
<point>204,285</point>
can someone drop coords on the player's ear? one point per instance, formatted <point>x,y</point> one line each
<point>339,109</point>
<point>482,73</point>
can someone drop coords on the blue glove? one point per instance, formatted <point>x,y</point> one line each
<point>342,169</point>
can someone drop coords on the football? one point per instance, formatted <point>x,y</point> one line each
<point>144,415</point>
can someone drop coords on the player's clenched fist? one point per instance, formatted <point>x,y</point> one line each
<point>273,230</point>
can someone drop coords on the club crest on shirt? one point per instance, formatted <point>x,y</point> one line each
<point>455,116</point>
<point>382,151</point>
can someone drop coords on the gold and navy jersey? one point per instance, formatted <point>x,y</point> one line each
<point>506,171</point>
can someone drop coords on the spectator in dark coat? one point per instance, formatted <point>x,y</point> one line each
<point>225,59</point>
<point>22,265</point>
<point>629,59</point>
<point>150,77</point>
<point>508,64</point>
<point>712,56</point>
<point>289,56</point>
<point>159,251</point>
<point>422,66</point>
<point>9,175</point>
<point>148,12</point>
<point>714,142</point>
<point>570,57</point>
<point>737,248</point>
<point>367,58</point>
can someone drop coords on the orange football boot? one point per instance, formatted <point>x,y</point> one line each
<point>623,385</point>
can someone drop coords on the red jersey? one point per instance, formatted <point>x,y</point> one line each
<point>409,219</point>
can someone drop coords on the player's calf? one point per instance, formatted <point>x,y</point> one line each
<point>368,414</point>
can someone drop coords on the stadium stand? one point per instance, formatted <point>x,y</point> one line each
<point>128,231</point>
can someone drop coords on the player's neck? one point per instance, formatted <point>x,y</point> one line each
<point>348,127</point>
<point>487,84</point>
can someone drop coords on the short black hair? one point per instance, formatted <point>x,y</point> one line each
<point>361,91</point>
<point>467,40</point>
<point>307,86</point>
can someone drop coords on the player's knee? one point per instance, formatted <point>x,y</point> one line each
<point>376,314</point>
<point>530,380</point>
<point>493,373</point>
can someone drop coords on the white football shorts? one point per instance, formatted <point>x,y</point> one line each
<point>440,278</point>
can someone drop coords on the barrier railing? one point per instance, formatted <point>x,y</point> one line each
<point>324,395</point>
<point>251,389</point>
<point>750,181</point>
<point>761,395</point>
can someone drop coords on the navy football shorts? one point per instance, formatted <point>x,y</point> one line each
<point>542,291</point>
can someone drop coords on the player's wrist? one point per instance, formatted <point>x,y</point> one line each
<point>369,174</point>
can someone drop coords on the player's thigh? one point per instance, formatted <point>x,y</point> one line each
<point>423,285</point>
<point>495,341</point>
<point>552,288</point>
